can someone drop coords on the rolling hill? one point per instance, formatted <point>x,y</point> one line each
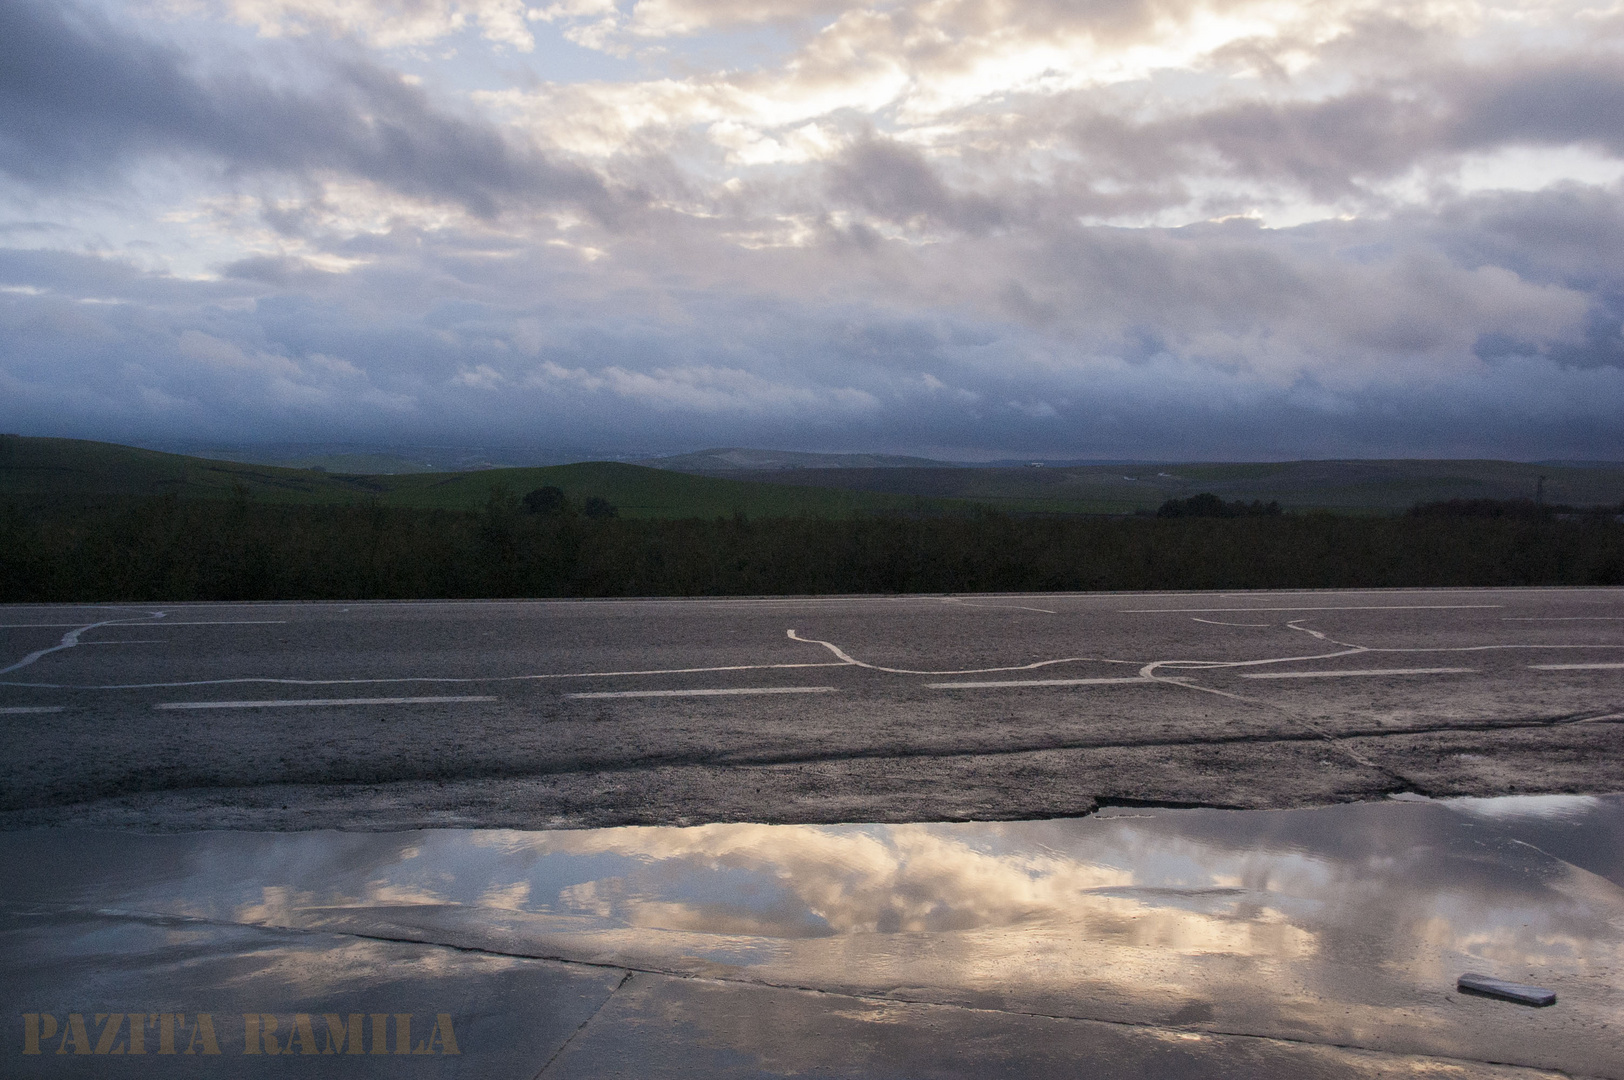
<point>38,467</point>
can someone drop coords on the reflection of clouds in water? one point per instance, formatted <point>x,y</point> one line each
<point>353,967</point>
<point>907,878</point>
<point>1399,886</point>
<point>1345,924</point>
<point>806,881</point>
<point>1514,806</point>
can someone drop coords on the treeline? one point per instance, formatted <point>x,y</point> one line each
<point>166,549</point>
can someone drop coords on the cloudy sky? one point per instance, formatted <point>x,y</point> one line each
<point>966,228</point>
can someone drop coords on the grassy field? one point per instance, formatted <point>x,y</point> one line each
<point>1361,487</point>
<point>75,468</point>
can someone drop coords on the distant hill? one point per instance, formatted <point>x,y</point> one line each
<point>739,459</point>
<point>380,459</point>
<point>79,468</point>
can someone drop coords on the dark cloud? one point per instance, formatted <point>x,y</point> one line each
<point>1337,146</point>
<point>80,98</point>
<point>895,182</point>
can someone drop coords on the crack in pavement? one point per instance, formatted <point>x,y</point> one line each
<point>652,763</point>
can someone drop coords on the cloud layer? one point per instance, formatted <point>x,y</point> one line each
<point>1204,228</point>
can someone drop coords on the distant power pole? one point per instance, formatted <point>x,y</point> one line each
<point>1539,492</point>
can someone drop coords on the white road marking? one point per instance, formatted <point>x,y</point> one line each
<point>1562,618</point>
<point>1361,673</point>
<point>290,702</point>
<point>1215,622</point>
<point>224,622</point>
<point>70,640</point>
<point>719,692</point>
<point>1575,667</point>
<point>37,625</point>
<point>1130,681</point>
<point>832,647</point>
<point>266,680</point>
<point>1001,607</point>
<point>1365,607</point>
<point>18,710</point>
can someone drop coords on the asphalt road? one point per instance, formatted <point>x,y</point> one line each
<point>557,713</point>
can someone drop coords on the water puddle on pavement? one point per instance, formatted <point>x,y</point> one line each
<point>1345,925</point>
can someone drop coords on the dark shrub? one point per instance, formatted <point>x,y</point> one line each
<point>1516,509</point>
<point>546,501</point>
<point>1208,505</point>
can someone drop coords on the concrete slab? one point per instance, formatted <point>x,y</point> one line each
<point>658,1027</point>
<point>88,994</point>
<point>1341,928</point>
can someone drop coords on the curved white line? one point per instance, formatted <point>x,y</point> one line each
<point>70,640</point>
<point>832,647</point>
<point>1215,622</point>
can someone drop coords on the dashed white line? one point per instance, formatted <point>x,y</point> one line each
<point>1362,607</point>
<point>1575,667</point>
<point>1001,684</point>
<point>311,702</point>
<point>18,710</point>
<point>1361,673</point>
<point>730,691</point>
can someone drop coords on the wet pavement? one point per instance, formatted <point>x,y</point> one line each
<point>1158,943</point>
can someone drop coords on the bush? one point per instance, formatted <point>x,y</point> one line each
<point>546,501</point>
<point>1211,506</point>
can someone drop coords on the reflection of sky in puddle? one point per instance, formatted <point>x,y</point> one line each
<point>1281,883</point>
<point>1348,923</point>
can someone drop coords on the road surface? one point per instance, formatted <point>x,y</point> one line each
<point>547,714</point>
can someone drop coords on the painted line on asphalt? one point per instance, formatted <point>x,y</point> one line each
<point>1575,667</point>
<point>291,702</point>
<point>1562,618</point>
<point>732,691</point>
<point>18,710</point>
<point>1365,607</point>
<point>459,679</point>
<point>1001,684</point>
<point>223,622</point>
<point>1362,673</point>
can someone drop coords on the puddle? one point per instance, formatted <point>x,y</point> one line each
<point>1345,924</point>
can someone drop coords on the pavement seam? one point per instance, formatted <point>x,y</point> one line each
<point>584,1023</point>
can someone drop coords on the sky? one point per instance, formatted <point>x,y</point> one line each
<point>968,229</point>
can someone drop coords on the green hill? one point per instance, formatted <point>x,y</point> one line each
<point>80,468</point>
<point>1340,486</point>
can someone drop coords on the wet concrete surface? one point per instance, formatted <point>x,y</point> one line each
<point>1159,943</point>
<point>546,714</point>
